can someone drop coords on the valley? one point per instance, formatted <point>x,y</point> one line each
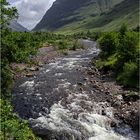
<point>75,75</point>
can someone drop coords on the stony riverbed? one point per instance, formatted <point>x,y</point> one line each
<point>68,99</point>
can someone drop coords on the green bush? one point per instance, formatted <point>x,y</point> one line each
<point>129,75</point>
<point>123,29</point>
<point>109,64</point>
<point>6,79</point>
<point>137,29</point>
<point>13,128</point>
<point>120,53</point>
<point>109,42</point>
<point>62,45</point>
<point>112,61</point>
<point>129,47</point>
<point>16,47</point>
<point>77,45</point>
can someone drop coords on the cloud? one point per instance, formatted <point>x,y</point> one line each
<point>31,11</point>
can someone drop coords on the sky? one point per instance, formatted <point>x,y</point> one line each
<point>31,11</point>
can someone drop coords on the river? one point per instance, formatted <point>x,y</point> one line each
<point>60,102</point>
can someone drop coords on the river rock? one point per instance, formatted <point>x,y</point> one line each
<point>29,74</point>
<point>103,112</point>
<point>117,103</point>
<point>113,124</point>
<point>85,79</point>
<point>33,68</point>
<point>130,97</point>
<point>119,97</point>
<point>40,64</point>
<point>80,84</point>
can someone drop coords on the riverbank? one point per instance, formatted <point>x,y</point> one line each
<point>124,101</point>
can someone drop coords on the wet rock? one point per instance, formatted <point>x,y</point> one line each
<point>91,72</point>
<point>81,89</point>
<point>75,116</point>
<point>29,74</point>
<point>18,66</point>
<point>117,103</point>
<point>103,112</point>
<point>91,81</point>
<point>107,92</point>
<point>129,103</point>
<point>130,97</point>
<point>80,84</point>
<point>40,64</point>
<point>108,100</point>
<point>119,97</point>
<point>113,124</point>
<point>85,79</point>
<point>33,69</point>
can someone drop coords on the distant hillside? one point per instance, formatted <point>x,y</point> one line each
<point>15,26</point>
<point>77,15</point>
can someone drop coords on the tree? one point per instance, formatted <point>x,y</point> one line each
<point>109,42</point>
<point>123,29</point>
<point>129,47</point>
<point>7,13</point>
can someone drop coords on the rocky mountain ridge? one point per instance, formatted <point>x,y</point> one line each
<point>84,15</point>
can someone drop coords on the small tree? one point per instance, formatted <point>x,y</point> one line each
<point>109,42</point>
<point>129,75</point>
<point>7,13</point>
<point>129,47</point>
<point>123,29</point>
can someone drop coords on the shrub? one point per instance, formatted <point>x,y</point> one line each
<point>6,79</point>
<point>112,61</point>
<point>123,29</point>
<point>109,64</point>
<point>129,75</point>
<point>13,128</point>
<point>120,53</point>
<point>109,42</point>
<point>129,47</point>
<point>62,45</point>
<point>64,52</point>
<point>137,29</point>
<point>77,45</point>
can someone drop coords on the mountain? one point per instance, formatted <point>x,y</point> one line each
<point>77,15</point>
<point>15,26</point>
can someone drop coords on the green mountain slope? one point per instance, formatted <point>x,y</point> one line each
<point>96,15</point>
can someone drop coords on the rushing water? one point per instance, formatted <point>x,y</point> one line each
<point>59,102</point>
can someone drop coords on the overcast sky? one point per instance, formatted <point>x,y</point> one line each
<point>31,11</point>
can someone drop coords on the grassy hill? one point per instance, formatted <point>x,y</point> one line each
<point>93,15</point>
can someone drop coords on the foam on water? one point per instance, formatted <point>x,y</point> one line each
<point>64,85</point>
<point>80,122</point>
<point>58,74</point>
<point>48,70</point>
<point>28,84</point>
